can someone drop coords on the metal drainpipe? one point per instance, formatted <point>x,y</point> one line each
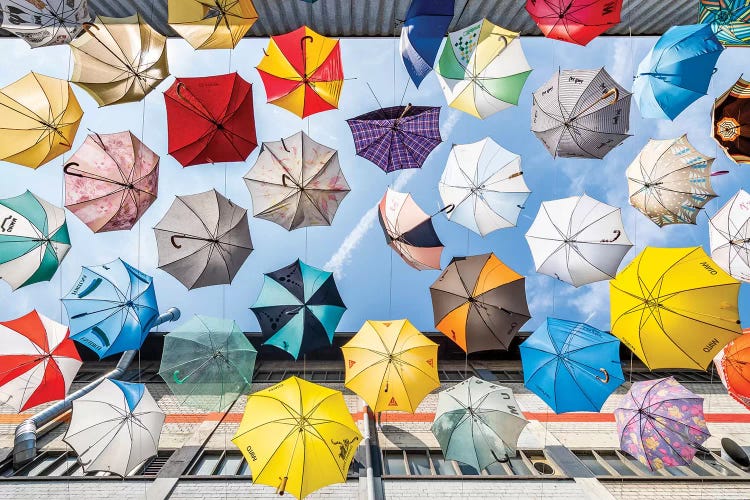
<point>368,454</point>
<point>24,444</point>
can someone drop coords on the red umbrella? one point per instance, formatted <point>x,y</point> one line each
<point>210,119</point>
<point>574,21</point>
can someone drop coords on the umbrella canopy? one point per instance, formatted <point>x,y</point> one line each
<point>299,308</point>
<point>729,20</point>
<point>211,24</point>
<point>210,119</point>
<point>398,137</point>
<point>119,59</point>
<point>731,117</point>
<point>296,182</point>
<point>115,427</point>
<point>41,24</point>
<point>674,308</point>
<point>574,21</point>
<point>302,72</point>
<point>676,71</point>
<point>409,231</point>
<point>391,365</point>
<point>479,303</point>
<point>581,114</point>
<point>670,181</point>
<point>111,180</point>
<point>422,34</point>
<point>482,69</point>
<point>297,437</point>
<point>478,423</point>
<point>733,366</point>
<point>39,361</point>
<point>661,423</point>
<point>729,235</point>
<point>571,366</point>
<point>484,184</point>
<point>207,363</point>
<point>40,117</point>
<point>33,239</point>
<point>111,308</point>
<point>578,240</point>
<point>203,239</point>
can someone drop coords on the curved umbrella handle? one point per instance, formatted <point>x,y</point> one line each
<point>174,243</point>
<point>617,232</point>
<point>447,209</point>
<point>505,459</point>
<point>719,172</point>
<point>66,169</point>
<point>87,28</point>
<point>613,92</point>
<point>284,145</point>
<point>604,380</point>
<point>302,41</point>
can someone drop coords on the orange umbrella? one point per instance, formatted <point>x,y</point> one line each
<point>733,365</point>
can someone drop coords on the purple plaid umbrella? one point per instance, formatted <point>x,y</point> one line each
<point>397,138</point>
<point>661,423</point>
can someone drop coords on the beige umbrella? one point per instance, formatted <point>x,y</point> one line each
<point>212,24</point>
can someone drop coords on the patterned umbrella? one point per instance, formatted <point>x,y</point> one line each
<point>44,23</point>
<point>422,34</point>
<point>729,235</point>
<point>575,21</point>
<point>733,366</point>
<point>729,19</point>
<point>731,118</point>
<point>211,24</point>
<point>661,423</point>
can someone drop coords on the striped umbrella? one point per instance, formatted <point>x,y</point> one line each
<point>729,20</point>
<point>731,117</point>
<point>44,23</point>
<point>729,236</point>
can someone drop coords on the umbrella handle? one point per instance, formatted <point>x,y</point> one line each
<point>66,169</point>
<point>284,144</point>
<point>407,108</point>
<point>87,28</point>
<point>447,209</point>
<point>719,172</point>
<point>610,93</point>
<point>302,41</point>
<point>282,486</point>
<point>617,232</point>
<point>604,380</point>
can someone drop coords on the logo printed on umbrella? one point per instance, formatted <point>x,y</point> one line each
<point>710,346</point>
<point>710,269</point>
<point>352,363</point>
<point>344,447</point>
<point>393,402</point>
<point>431,362</point>
<point>8,224</point>
<point>251,453</point>
<point>608,8</point>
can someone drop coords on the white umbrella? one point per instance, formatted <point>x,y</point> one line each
<point>44,23</point>
<point>729,233</point>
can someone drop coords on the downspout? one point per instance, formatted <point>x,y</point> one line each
<point>368,454</point>
<point>24,444</point>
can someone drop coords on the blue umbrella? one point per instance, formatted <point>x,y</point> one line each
<point>571,366</point>
<point>111,308</point>
<point>425,26</point>
<point>677,71</point>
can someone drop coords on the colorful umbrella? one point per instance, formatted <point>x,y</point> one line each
<point>731,118</point>
<point>422,34</point>
<point>210,119</point>
<point>302,72</point>
<point>581,114</point>
<point>479,303</point>
<point>733,366</point>
<point>670,181</point>
<point>661,423</point>
<point>299,308</point>
<point>110,181</point>
<point>729,236</point>
<point>397,138</point>
<point>33,239</point>
<point>578,240</point>
<point>482,69</point>
<point>203,239</point>
<point>409,231</point>
<point>391,365</point>
<point>574,21</point>
<point>729,20</point>
<point>297,437</point>
<point>571,366</point>
<point>44,23</point>
<point>111,308</point>
<point>674,307</point>
<point>677,71</point>
<point>211,24</point>
<point>296,182</point>
<point>39,361</point>
<point>40,117</point>
<point>484,184</point>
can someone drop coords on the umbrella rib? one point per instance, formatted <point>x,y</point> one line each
<point>650,421</point>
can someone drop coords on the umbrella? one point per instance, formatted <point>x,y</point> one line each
<point>479,303</point>
<point>111,308</point>
<point>302,72</point>
<point>478,423</point>
<point>45,23</point>
<point>674,307</point>
<point>207,363</point>
<point>581,114</point>
<point>482,69</point>
<point>115,427</point>
<point>203,239</point>
<point>731,118</point>
<point>398,137</point>
<point>661,423</point>
<point>733,366</point>
<point>210,119</point>
<point>729,20</point>
<point>296,182</point>
<point>676,71</point>
<point>119,59</point>
<point>578,240</point>
<point>110,181</point>
<point>211,24</point>
<point>422,34</point>
<point>297,437</point>
<point>409,231</point>
<point>40,117</point>
<point>571,366</point>
<point>484,184</point>
<point>39,361</point>
<point>670,181</point>
<point>391,365</point>
<point>33,239</point>
<point>299,308</point>
<point>729,235</point>
<point>574,21</point>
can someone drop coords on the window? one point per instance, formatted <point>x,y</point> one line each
<point>231,463</point>
<point>615,463</point>
<point>65,463</point>
<point>433,463</point>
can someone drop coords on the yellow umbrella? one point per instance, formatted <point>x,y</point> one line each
<point>674,308</point>
<point>39,116</point>
<point>297,436</point>
<point>212,24</point>
<point>391,365</point>
<point>119,59</point>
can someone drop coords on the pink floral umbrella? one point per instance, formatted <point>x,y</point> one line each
<point>111,180</point>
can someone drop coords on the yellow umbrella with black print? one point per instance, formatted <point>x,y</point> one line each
<point>211,24</point>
